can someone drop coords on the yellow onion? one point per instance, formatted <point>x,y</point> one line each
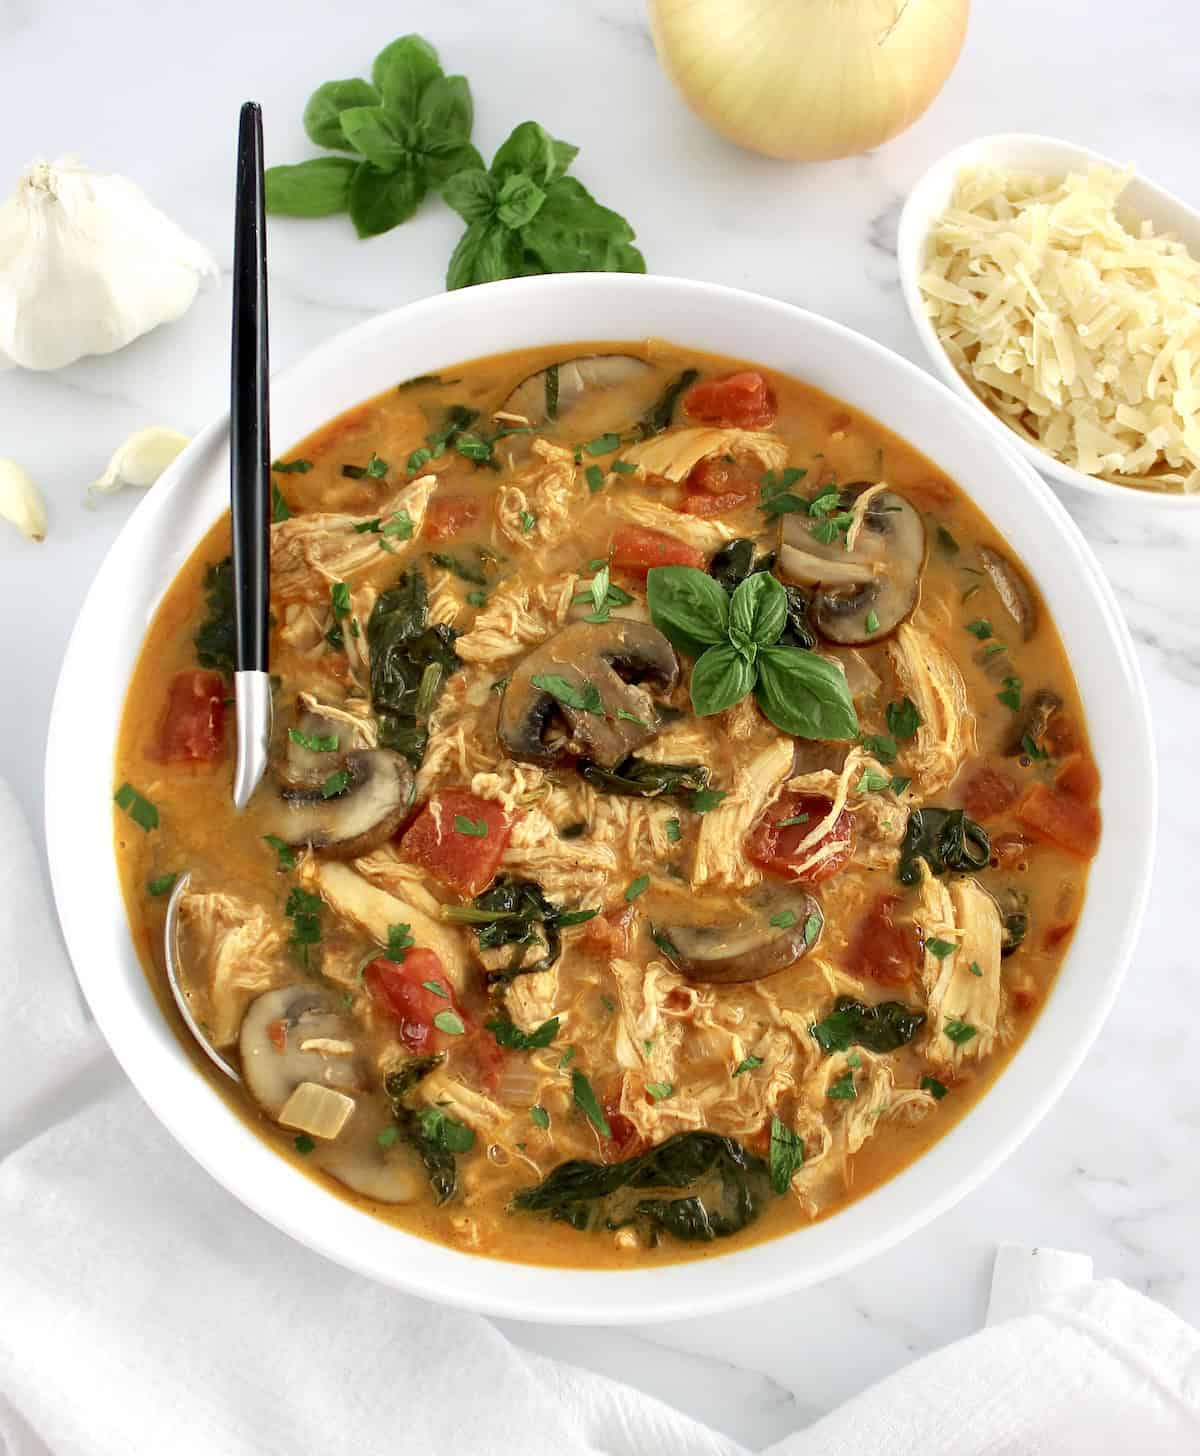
<point>809,79</point>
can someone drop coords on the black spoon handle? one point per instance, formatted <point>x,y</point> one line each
<point>250,437</point>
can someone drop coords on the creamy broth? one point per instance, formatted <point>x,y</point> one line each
<point>671,1017</point>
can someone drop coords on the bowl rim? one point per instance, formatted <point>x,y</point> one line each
<point>165,1076</point>
<point>912,232</point>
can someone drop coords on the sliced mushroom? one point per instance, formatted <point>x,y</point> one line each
<point>863,594</point>
<point>561,389</point>
<point>782,924</point>
<point>598,661</point>
<point>307,767</point>
<point>355,819</point>
<point>1033,721</point>
<point>294,1035</point>
<point>1012,590</point>
<point>384,1174</point>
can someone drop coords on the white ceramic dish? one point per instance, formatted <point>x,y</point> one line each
<point>428,336</point>
<point>1025,152</point>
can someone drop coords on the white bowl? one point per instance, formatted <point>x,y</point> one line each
<point>431,335</point>
<point>1028,153</point>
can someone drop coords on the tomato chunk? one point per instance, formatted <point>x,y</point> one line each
<point>638,548</point>
<point>742,401</point>
<point>774,842</point>
<point>446,515</point>
<point>625,1140</point>
<point>1061,818</point>
<point>459,838</point>
<point>721,475</point>
<point>400,988</point>
<point>1079,777</point>
<point>700,503</point>
<point>882,950</point>
<point>989,792</point>
<point>193,730</point>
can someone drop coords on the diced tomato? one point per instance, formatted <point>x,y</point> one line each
<point>446,515</point>
<point>774,842</point>
<point>1054,935</point>
<point>1024,998</point>
<point>193,730</point>
<point>638,548</point>
<point>742,401</point>
<point>721,474</point>
<point>277,1034</point>
<point>1061,818</point>
<point>399,988</point>
<point>700,503</point>
<point>1079,777</point>
<point>487,1058</point>
<point>459,838</point>
<point>1060,736</point>
<point>988,793</point>
<point>625,1140</point>
<point>608,934</point>
<point>882,950</point>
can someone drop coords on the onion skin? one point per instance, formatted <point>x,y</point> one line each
<point>808,80</point>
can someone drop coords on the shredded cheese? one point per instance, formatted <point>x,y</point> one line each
<point>1078,327</point>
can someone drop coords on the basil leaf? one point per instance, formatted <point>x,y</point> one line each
<point>532,150</point>
<point>317,188</point>
<point>472,194</point>
<point>585,1098</point>
<point>759,609</point>
<point>804,694</point>
<point>573,233</point>
<point>380,200</point>
<point>377,134</point>
<point>402,70</point>
<point>720,678</point>
<point>445,112</point>
<point>485,252</point>
<point>442,160</point>
<point>323,111</point>
<point>519,200</point>
<point>688,607</point>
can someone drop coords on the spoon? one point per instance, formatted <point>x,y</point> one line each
<point>1022,152</point>
<point>250,510</point>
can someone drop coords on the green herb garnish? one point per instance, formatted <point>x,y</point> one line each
<point>539,1116</point>
<point>585,699</point>
<point>473,828</point>
<point>786,1155</point>
<point>843,1088</point>
<point>287,855</point>
<point>959,1032</point>
<point>513,1039</point>
<point>747,1064</point>
<point>940,948</point>
<point>326,744</point>
<point>161,885</point>
<point>137,806</point>
<point>937,1090</point>
<point>450,1022</point>
<point>637,887</point>
<point>335,784</point>
<point>585,1099</point>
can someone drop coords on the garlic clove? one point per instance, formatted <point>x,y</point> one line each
<point>21,501</point>
<point>140,459</point>
<point>87,263</point>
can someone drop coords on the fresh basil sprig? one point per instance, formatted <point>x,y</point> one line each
<point>735,641</point>
<point>410,126</point>
<point>525,215</point>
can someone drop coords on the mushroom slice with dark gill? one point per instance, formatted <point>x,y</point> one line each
<point>1033,722</point>
<point>359,804</point>
<point>589,675</point>
<point>1012,589</point>
<point>862,594</point>
<point>780,925</point>
<point>319,736</point>
<point>562,389</point>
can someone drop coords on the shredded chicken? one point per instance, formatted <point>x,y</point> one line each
<point>546,491</point>
<point>719,861</point>
<point>570,871</point>
<point>705,535</point>
<point>519,614</point>
<point>929,676</point>
<point>311,551</point>
<point>962,985</point>
<point>673,454</point>
<point>880,817</point>
<point>233,953</point>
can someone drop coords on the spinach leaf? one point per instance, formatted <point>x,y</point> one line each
<point>658,417</point>
<point>696,1186</point>
<point>638,779</point>
<point>880,1028</point>
<point>410,661</point>
<point>525,216</point>
<point>946,840</point>
<point>435,1136</point>
<point>214,639</point>
<point>516,913</point>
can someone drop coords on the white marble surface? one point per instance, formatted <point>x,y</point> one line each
<point>152,91</point>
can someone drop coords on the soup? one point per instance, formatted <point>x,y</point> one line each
<point>680,804</point>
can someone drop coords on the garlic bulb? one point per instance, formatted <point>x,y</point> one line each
<point>87,264</point>
<point>21,501</point>
<point>141,459</point>
<point>808,79</point>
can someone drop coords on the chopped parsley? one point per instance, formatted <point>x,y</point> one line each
<point>450,1022</point>
<point>872,622</point>
<point>602,444</point>
<point>674,832</point>
<point>903,719</point>
<point>975,968</point>
<point>161,885</point>
<point>880,746</point>
<point>843,1089</point>
<point>585,1099</point>
<point>980,628</point>
<point>959,1032</point>
<point>937,1090</point>
<point>303,1144</point>
<point>575,917</point>
<point>1011,694</point>
<point>335,784</point>
<point>812,928</point>
<point>374,469</point>
<point>280,510</point>
<point>899,785</point>
<point>705,799</point>
<point>304,911</point>
<point>637,887</point>
<point>784,920</point>
<point>595,478</point>
<point>585,699</point>
<point>664,943</point>
<point>786,1155</point>
<point>137,806</point>
<point>291,467</point>
<point>326,744</point>
<point>400,525</point>
<point>747,1064</point>
<point>399,941</point>
<point>473,828</point>
<point>873,783</point>
<point>287,855</point>
<point>792,819</point>
<point>623,467</point>
<point>539,1116</point>
<point>940,948</point>
<point>1031,749</point>
<point>528,521</point>
<point>387,1136</point>
<point>660,1091</point>
<point>437,988</point>
<point>513,1039</point>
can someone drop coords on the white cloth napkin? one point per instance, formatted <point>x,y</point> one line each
<point>143,1310</point>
